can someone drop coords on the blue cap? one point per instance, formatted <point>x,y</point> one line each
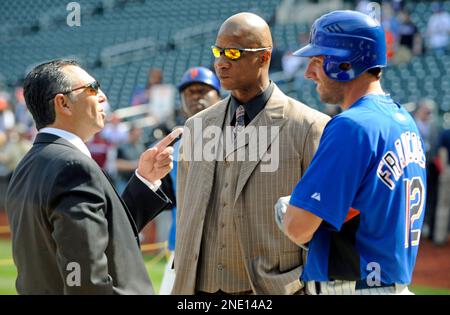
<point>199,75</point>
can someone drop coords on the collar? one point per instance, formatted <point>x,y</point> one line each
<point>254,106</point>
<point>72,138</point>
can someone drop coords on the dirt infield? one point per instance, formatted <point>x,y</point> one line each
<point>432,267</point>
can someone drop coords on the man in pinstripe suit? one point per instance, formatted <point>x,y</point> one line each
<point>227,238</point>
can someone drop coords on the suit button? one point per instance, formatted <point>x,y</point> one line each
<point>226,185</point>
<point>222,225</point>
<point>195,257</point>
<point>219,267</point>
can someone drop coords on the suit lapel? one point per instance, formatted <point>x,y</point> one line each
<point>271,116</point>
<point>206,168</point>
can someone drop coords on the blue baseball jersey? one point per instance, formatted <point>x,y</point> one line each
<point>367,182</point>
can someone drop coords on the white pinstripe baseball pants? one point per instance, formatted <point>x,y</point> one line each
<point>341,287</point>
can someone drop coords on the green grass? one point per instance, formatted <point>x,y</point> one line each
<point>155,267</point>
<point>7,269</point>
<point>420,290</point>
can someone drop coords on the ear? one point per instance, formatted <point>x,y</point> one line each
<point>61,106</point>
<point>265,56</point>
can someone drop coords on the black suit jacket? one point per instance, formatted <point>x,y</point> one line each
<point>71,231</point>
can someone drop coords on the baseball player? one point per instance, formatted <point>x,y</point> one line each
<point>359,208</point>
<point>199,88</point>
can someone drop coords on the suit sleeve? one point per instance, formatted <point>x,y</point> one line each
<point>312,140</point>
<point>80,230</point>
<point>143,203</point>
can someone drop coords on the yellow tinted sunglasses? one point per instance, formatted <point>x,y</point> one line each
<point>233,53</point>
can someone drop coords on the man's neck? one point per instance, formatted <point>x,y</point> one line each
<point>67,127</point>
<point>245,95</point>
<point>359,88</point>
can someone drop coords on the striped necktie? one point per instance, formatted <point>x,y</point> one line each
<point>240,120</point>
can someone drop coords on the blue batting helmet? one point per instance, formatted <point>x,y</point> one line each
<point>351,43</point>
<point>199,75</point>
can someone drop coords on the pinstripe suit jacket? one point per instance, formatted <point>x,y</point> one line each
<point>272,262</point>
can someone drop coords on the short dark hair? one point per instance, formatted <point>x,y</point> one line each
<point>40,87</point>
<point>376,72</point>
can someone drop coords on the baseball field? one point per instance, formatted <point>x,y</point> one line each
<point>155,267</point>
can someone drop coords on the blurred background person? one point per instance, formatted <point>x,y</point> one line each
<point>438,29</point>
<point>409,39</point>
<point>7,119</point>
<point>442,220</point>
<point>128,155</point>
<point>425,116</point>
<point>141,95</point>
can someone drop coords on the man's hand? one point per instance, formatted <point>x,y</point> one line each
<point>157,162</point>
<point>280,211</point>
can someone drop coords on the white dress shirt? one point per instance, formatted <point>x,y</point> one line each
<point>80,145</point>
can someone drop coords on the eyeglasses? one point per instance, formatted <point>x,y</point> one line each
<point>95,86</point>
<point>233,53</point>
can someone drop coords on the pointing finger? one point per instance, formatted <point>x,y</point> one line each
<point>166,141</point>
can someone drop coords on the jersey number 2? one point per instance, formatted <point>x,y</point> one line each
<point>415,193</point>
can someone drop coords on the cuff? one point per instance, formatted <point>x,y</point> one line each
<point>152,185</point>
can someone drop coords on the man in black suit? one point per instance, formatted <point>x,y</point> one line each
<point>71,231</point>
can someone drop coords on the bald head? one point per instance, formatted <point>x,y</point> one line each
<point>250,29</point>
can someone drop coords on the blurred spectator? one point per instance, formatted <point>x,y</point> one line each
<point>442,220</point>
<point>115,132</point>
<point>426,120</point>
<point>363,6</point>
<point>3,138</point>
<point>276,61</point>
<point>128,156</point>
<point>397,5</point>
<point>291,64</point>
<point>15,148</point>
<point>389,19</point>
<point>7,119</point>
<point>390,44</point>
<point>438,29</point>
<point>141,95</point>
<point>99,149</point>
<point>409,39</point>
<point>21,112</point>
<point>391,26</point>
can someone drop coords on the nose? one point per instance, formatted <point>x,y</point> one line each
<point>310,71</point>
<point>222,62</point>
<point>101,96</point>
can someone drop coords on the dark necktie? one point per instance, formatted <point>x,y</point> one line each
<point>240,120</point>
